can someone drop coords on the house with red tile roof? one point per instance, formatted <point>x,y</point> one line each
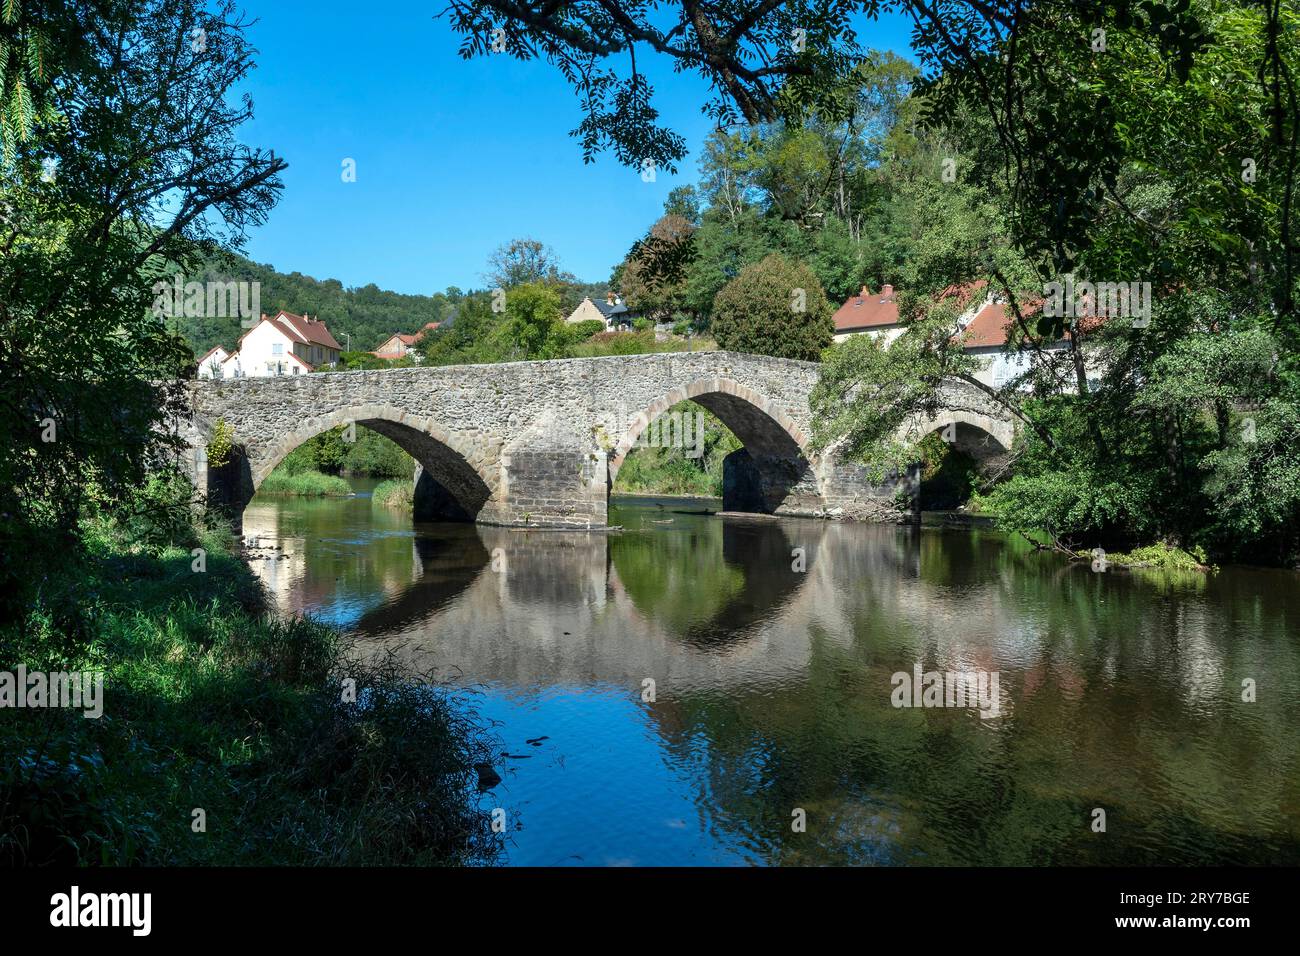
<point>986,336</point>
<point>983,328</point>
<point>281,344</point>
<point>875,314</point>
<point>399,345</point>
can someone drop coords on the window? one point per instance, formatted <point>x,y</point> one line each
<point>277,348</point>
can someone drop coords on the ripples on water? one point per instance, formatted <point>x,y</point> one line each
<point>773,692</point>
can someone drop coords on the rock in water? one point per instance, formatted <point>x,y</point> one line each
<point>487,777</point>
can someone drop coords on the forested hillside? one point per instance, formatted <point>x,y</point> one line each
<point>367,315</point>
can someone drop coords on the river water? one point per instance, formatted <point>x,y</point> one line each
<point>706,690</point>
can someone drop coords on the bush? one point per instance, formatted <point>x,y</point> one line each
<point>581,331</point>
<point>395,493</point>
<point>758,311</point>
<point>309,484</point>
<point>220,444</point>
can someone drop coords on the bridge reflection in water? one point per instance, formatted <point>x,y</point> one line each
<point>772,687</point>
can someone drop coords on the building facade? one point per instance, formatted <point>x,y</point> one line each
<point>282,344</point>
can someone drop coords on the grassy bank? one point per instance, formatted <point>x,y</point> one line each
<point>307,484</point>
<point>395,493</point>
<point>209,705</point>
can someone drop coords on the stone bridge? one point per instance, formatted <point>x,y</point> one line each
<point>541,443</point>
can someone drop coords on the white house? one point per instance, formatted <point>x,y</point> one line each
<point>282,344</point>
<point>212,364</point>
<point>983,329</point>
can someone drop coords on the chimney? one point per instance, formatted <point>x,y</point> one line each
<point>609,298</point>
<point>887,291</point>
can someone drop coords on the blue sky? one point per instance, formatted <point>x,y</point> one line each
<point>453,157</point>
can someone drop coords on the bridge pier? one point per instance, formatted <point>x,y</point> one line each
<point>552,488</point>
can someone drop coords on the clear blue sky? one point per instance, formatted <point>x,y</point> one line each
<point>453,157</point>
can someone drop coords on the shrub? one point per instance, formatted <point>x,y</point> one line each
<point>220,444</point>
<point>395,493</point>
<point>581,331</point>
<point>758,311</point>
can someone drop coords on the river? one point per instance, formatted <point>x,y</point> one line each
<point>706,690</point>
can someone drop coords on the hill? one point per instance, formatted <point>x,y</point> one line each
<point>362,317</point>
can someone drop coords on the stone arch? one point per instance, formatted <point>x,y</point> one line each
<point>725,398</point>
<point>982,444</point>
<point>455,474</point>
<point>1000,430</point>
<point>774,471</point>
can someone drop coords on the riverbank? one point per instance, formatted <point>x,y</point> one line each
<point>395,493</point>
<point>226,736</point>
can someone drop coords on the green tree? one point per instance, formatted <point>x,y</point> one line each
<point>520,261</point>
<point>535,327</point>
<point>141,166</point>
<point>653,277</point>
<point>775,307</point>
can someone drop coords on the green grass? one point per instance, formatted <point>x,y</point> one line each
<point>307,484</point>
<point>395,493</point>
<point>211,704</point>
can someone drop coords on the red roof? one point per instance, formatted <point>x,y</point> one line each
<point>299,328</point>
<point>865,310</point>
<point>307,329</point>
<point>989,327</point>
<point>405,340</point>
<point>963,292</point>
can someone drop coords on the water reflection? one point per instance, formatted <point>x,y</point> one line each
<point>771,643</point>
